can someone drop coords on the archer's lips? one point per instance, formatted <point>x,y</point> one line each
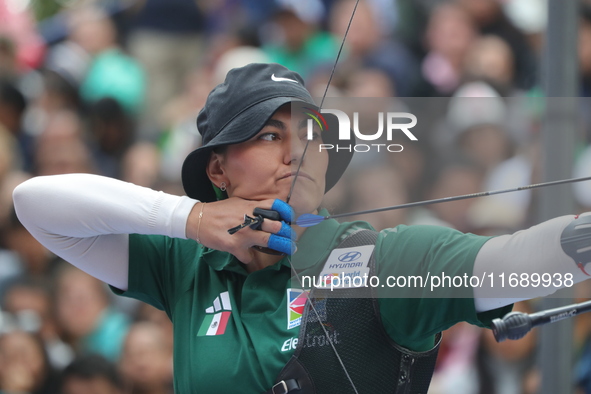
<point>301,174</point>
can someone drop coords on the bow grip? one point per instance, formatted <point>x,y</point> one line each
<point>267,214</point>
<point>264,214</point>
<point>576,241</point>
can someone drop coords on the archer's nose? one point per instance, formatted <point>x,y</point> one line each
<point>295,148</point>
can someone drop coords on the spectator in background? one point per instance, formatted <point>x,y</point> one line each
<point>84,315</point>
<point>111,72</point>
<point>24,367</point>
<point>12,106</point>
<point>476,118</point>
<point>8,181</point>
<point>581,168</point>
<point>146,360</point>
<point>34,260</point>
<point>27,295</point>
<point>370,82</point>
<point>260,11</point>
<point>449,34</point>
<point>60,148</point>
<point>91,374</point>
<point>454,371</point>
<point>180,133</point>
<point>12,152</point>
<point>479,121</point>
<point>237,56</point>
<point>111,134</point>
<point>54,93</point>
<point>489,58</point>
<point>147,313</point>
<point>368,46</point>
<point>18,24</point>
<point>457,177</point>
<point>490,18</point>
<point>141,164</point>
<point>69,58</point>
<point>58,93</point>
<point>167,40</point>
<point>297,43</point>
<point>392,191</point>
<point>530,17</point>
<point>411,23</point>
<point>8,62</point>
<point>10,262</point>
<point>411,165</point>
<point>12,109</point>
<point>584,49</point>
<point>8,153</point>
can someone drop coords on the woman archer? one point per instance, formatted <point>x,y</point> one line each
<point>237,314</point>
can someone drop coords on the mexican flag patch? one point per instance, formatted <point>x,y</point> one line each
<point>217,317</point>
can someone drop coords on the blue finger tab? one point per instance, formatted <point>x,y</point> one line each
<point>286,231</point>
<point>284,210</point>
<point>282,244</point>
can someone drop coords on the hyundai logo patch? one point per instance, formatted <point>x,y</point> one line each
<point>349,256</point>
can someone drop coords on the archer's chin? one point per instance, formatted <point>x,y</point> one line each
<point>305,201</point>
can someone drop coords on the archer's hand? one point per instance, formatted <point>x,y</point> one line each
<point>220,216</point>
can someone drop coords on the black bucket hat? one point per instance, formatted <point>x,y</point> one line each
<point>237,110</point>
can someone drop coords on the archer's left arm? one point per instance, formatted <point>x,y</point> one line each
<point>538,261</point>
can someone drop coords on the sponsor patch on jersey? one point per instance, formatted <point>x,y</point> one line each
<point>296,301</point>
<point>346,268</point>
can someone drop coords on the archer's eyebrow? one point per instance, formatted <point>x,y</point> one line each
<point>302,124</point>
<point>276,123</point>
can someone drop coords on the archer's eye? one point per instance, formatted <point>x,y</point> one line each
<point>315,136</point>
<point>269,136</point>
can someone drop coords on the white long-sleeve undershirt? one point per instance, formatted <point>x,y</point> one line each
<point>86,219</point>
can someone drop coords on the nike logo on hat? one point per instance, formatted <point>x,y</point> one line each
<point>278,79</point>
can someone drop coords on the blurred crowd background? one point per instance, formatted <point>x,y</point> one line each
<point>113,87</point>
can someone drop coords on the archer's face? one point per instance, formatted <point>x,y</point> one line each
<point>264,166</point>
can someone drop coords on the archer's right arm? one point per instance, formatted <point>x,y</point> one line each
<point>86,219</point>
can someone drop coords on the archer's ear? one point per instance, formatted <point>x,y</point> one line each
<point>215,169</point>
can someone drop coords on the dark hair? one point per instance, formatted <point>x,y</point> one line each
<point>43,286</point>
<point>48,381</point>
<point>58,84</point>
<point>111,127</point>
<point>91,366</point>
<point>12,223</point>
<point>585,12</point>
<point>220,149</point>
<point>11,96</point>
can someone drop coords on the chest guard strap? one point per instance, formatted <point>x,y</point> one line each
<point>352,323</point>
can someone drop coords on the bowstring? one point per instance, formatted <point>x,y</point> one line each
<point>334,67</point>
<point>293,270</point>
